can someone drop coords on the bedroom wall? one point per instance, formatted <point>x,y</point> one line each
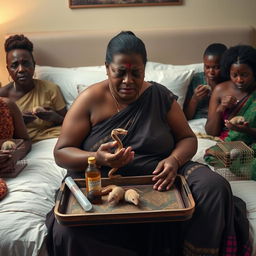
<point>46,15</point>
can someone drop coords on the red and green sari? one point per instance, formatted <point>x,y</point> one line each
<point>246,108</point>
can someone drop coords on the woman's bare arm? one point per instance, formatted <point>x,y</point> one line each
<point>185,149</point>
<point>189,108</point>
<point>214,122</point>
<point>76,126</point>
<point>186,142</point>
<point>20,130</point>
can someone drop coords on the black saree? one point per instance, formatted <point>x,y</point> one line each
<point>212,226</point>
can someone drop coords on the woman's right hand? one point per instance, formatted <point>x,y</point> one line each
<point>105,157</point>
<point>201,92</point>
<point>227,102</point>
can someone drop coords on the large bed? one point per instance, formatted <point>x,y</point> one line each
<point>74,60</point>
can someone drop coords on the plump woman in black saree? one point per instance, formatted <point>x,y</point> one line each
<point>159,142</point>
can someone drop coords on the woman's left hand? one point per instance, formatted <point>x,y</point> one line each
<point>237,127</point>
<point>165,173</point>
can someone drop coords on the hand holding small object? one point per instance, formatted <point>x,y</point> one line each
<point>239,127</point>
<point>8,145</point>
<point>201,92</point>
<point>227,102</point>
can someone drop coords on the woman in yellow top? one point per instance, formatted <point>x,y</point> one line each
<point>29,94</point>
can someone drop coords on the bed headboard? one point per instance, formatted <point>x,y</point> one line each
<point>172,46</point>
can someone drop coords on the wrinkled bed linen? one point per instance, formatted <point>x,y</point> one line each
<point>30,198</point>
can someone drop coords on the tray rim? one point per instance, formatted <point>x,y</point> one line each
<point>126,217</point>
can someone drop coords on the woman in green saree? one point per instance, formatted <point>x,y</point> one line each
<point>236,97</point>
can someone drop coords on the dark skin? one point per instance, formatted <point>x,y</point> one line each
<point>212,74</point>
<point>20,132</point>
<point>125,84</point>
<point>226,95</point>
<point>21,67</point>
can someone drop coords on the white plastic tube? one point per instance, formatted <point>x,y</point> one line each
<point>78,194</point>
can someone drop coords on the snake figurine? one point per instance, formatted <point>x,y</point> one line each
<point>114,135</point>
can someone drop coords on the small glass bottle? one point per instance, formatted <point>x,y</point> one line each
<point>93,181</point>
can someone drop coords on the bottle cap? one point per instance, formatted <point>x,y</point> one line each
<point>91,160</point>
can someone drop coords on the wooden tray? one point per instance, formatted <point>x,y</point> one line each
<point>15,166</point>
<point>176,204</point>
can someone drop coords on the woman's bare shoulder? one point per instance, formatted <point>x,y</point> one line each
<point>92,94</point>
<point>223,86</point>
<point>95,91</point>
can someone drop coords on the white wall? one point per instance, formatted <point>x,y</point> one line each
<point>49,15</point>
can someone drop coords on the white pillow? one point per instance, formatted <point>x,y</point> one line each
<point>174,77</point>
<point>68,78</point>
<point>81,87</point>
<point>198,67</point>
<point>176,81</point>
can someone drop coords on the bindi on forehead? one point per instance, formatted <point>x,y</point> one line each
<point>128,65</point>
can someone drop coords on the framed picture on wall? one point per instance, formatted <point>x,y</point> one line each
<point>120,3</point>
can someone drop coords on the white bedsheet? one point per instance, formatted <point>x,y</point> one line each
<point>30,198</point>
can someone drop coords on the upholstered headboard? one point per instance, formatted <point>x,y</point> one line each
<point>175,46</point>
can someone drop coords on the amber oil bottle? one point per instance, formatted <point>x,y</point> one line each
<point>93,181</point>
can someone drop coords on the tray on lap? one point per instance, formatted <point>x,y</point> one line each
<point>176,204</point>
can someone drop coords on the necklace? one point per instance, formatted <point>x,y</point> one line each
<point>115,100</point>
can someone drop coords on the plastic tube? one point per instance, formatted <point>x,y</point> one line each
<point>78,194</point>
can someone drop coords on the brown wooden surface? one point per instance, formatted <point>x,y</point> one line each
<point>154,206</point>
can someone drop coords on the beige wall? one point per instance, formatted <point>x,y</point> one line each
<point>49,15</point>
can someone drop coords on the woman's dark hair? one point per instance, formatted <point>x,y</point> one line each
<point>18,42</point>
<point>215,49</point>
<point>240,54</point>
<point>125,43</point>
